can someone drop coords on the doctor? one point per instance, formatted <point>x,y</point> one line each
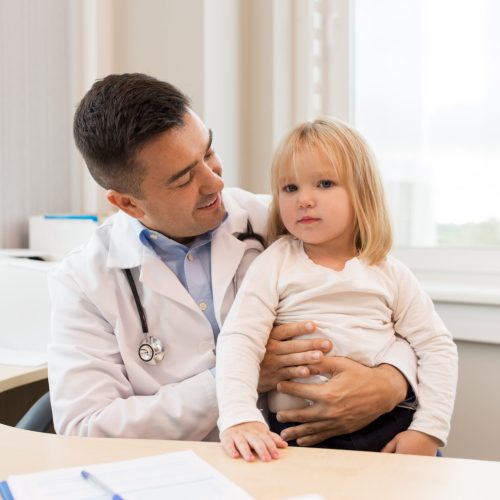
<point>136,312</point>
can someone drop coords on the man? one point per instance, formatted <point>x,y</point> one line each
<point>136,312</point>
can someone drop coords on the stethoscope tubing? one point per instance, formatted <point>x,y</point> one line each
<point>140,309</point>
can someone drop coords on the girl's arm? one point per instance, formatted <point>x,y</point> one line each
<point>416,320</point>
<point>241,345</point>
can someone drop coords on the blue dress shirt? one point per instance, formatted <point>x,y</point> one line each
<point>191,264</point>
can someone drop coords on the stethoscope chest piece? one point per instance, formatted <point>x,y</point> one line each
<point>151,350</point>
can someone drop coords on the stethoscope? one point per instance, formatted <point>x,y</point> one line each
<point>151,349</point>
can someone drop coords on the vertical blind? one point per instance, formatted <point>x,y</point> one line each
<point>36,170</point>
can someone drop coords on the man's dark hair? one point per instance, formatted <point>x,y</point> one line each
<point>117,116</point>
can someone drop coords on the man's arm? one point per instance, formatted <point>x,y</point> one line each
<point>287,358</point>
<point>353,397</point>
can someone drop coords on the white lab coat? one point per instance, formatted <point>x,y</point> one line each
<point>98,384</point>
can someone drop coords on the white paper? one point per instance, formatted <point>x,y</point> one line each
<point>22,357</point>
<point>173,475</point>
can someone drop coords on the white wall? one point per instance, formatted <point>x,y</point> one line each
<point>475,429</point>
<point>267,87</point>
<point>193,44</point>
<point>221,107</point>
<point>163,39</point>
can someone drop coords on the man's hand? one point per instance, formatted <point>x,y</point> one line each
<point>412,443</point>
<point>354,396</point>
<point>243,439</point>
<point>285,358</point>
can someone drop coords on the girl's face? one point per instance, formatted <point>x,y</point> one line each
<point>314,206</point>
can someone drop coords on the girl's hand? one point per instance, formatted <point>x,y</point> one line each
<point>243,439</point>
<point>412,443</point>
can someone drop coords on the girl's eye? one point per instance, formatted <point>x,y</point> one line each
<point>290,188</point>
<point>209,154</point>
<point>325,183</point>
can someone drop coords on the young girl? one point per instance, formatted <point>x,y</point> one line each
<point>329,263</point>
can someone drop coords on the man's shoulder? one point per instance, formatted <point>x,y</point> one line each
<point>93,252</point>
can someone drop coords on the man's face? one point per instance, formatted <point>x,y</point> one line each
<point>181,192</point>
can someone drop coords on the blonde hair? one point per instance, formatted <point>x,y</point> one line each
<point>353,162</point>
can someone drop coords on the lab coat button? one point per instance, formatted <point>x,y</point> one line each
<point>202,306</point>
<point>190,257</point>
<point>153,236</point>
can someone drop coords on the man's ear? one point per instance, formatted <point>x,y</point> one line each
<point>125,202</point>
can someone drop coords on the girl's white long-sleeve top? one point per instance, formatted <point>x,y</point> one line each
<point>359,309</point>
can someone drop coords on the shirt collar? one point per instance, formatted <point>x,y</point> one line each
<point>154,239</point>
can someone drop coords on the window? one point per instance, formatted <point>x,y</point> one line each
<point>425,94</point>
<point>420,80</point>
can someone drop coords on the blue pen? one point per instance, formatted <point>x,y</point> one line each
<point>90,477</point>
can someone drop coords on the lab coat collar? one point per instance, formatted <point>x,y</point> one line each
<point>126,251</point>
<point>125,248</point>
<point>236,220</point>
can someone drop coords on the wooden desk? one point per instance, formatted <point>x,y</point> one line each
<point>334,474</point>
<point>16,376</point>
